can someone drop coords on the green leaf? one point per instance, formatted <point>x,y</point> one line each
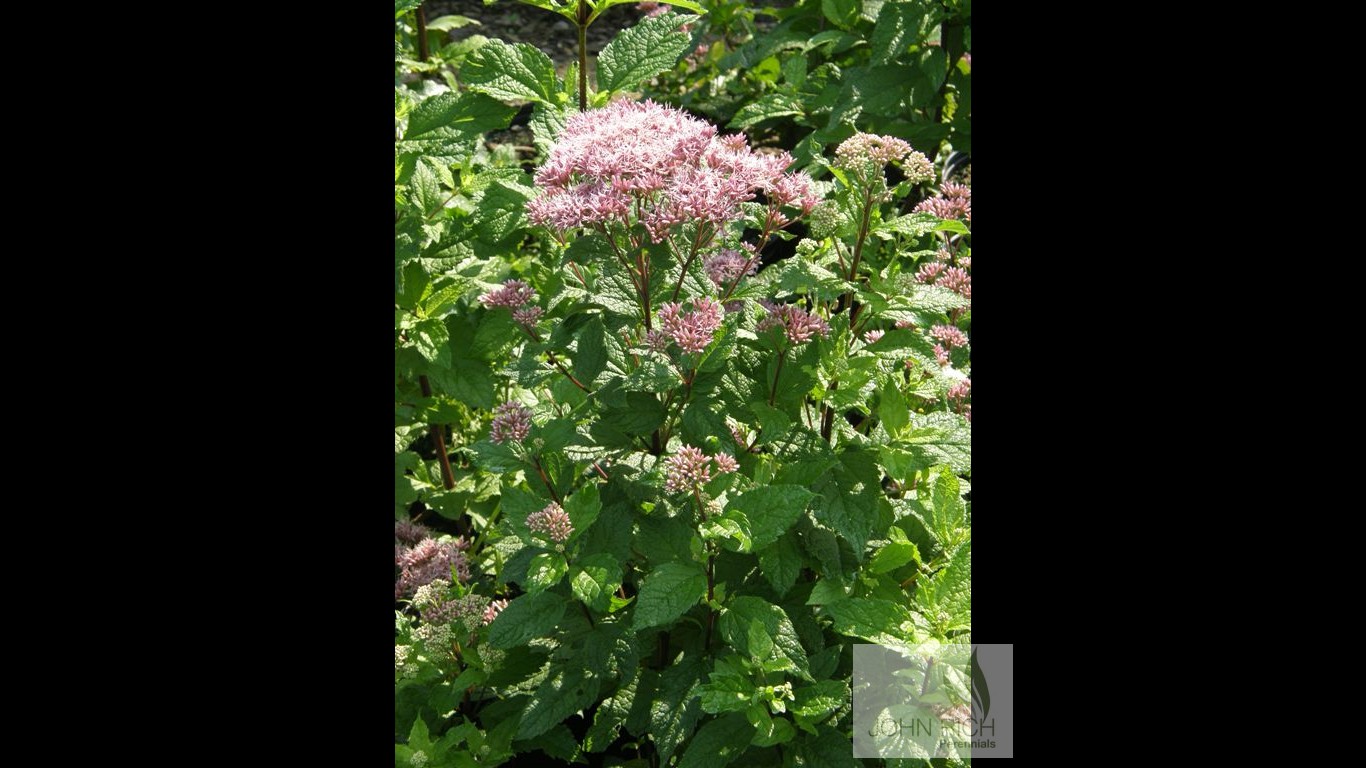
<point>668,592</point>
<point>501,210</point>
<point>674,713</point>
<point>850,492</point>
<point>781,563</point>
<point>526,617</point>
<point>596,577</point>
<point>424,188</point>
<point>718,743</point>
<point>583,507</point>
<point>767,107</point>
<point>728,694</point>
<point>639,53</point>
<point>949,515</point>
<point>590,356</point>
<point>894,554</point>
<point>842,13</point>
<point>941,437</point>
<point>770,510</point>
<point>571,686</point>
<point>447,124</point>
<point>756,627</point>
<point>892,409</point>
<point>433,341</point>
<point>519,72</point>
<point>913,225</point>
<point>948,596</point>
<point>877,621</point>
<point>545,571</point>
<point>899,24</point>
<point>816,702</point>
<point>401,7</point>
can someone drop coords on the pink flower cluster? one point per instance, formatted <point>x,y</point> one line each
<point>516,296</point>
<point>958,395</point>
<point>660,163</point>
<point>866,154</point>
<point>950,335</point>
<point>428,561</point>
<point>496,607</point>
<point>954,202</point>
<point>512,295</point>
<point>729,265</point>
<point>692,331</point>
<point>872,337</point>
<point>511,421</point>
<point>797,323</point>
<point>552,522</point>
<point>956,279</point>
<point>690,469</point>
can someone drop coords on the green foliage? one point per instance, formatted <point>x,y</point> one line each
<point>706,622</point>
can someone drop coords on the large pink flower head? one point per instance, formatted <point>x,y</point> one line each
<point>954,202</point>
<point>644,159</point>
<point>691,331</point>
<point>431,560</point>
<point>798,324</point>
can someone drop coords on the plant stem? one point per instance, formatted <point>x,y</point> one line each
<point>773,393</point>
<point>696,244</point>
<point>536,461</point>
<point>422,33</point>
<point>711,573</point>
<point>848,299</point>
<point>439,440</point>
<point>583,56</point>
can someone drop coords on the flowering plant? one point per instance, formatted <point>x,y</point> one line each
<point>678,419</point>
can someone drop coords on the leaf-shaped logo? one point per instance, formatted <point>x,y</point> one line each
<point>981,697</point>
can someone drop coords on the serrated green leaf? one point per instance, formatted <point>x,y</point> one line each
<point>674,713</point>
<point>781,563</point>
<point>894,554</point>
<point>639,53</point>
<point>583,507</point>
<point>545,571</point>
<point>756,627</point>
<point>526,617</point>
<point>596,577</point>
<point>842,13</point>
<point>571,686</point>
<point>668,592</point>
<point>727,692</point>
<point>433,341</point>
<point>940,437</point>
<point>518,72</point>
<point>874,620</point>
<point>948,596</point>
<point>590,356</point>
<point>767,107</point>
<point>770,510</point>
<point>892,409</point>
<point>849,493</point>
<point>718,743</point>
<point>446,126</point>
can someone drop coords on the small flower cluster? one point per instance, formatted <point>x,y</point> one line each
<point>949,335</point>
<point>872,337</point>
<point>797,323</point>
<point>953,202</point>
<point>662,164</point>
<point>491,612</point>
<point>512,295</point>
<point>690,469</point>
<point>956,279</point>
<point>552,522</point>
<point>428,561</point>
<point>866,155</point>
<point>518,297</point>
<point>511,421</point>
<point>409,533</point>
<point>693,331</point>
<point>728,266</point>
<point>958,395</point>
